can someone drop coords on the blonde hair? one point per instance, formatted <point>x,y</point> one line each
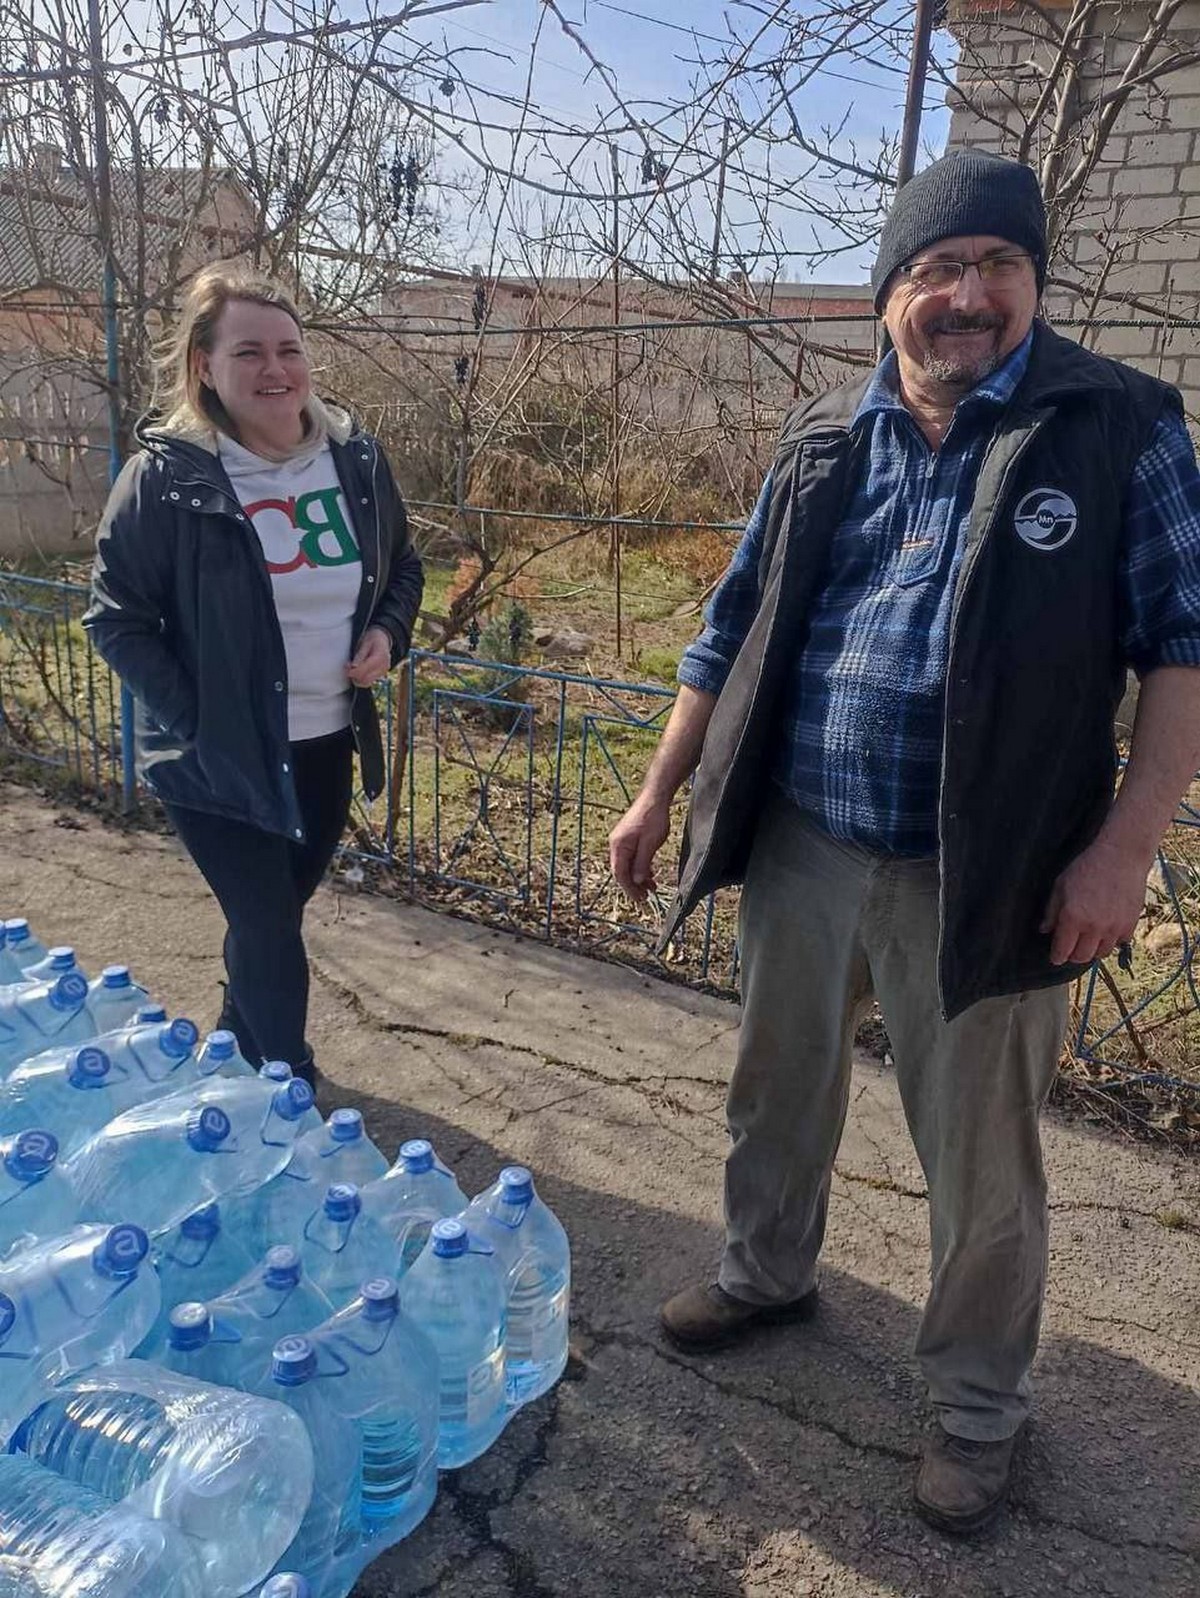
<point>187,404</point>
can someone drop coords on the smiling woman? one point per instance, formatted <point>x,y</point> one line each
<point>254,579</point>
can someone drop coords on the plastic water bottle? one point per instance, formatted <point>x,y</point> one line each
<point>158,1053</point>
<point>535,1256</point>
<point>329,1533</point>
<point>455,1294</point>
<point>342,1247</point>
<point>57,962</point>
<point>199,1260</point>
<point>220,1056</point>
<point>35,1201</point>
<point>381,1371</point>
<point>232,1470</point>
<point>10,971</point>
<point>274,1300</point>
<point>114,998</point>
<point>276,1212</point>
<point>76,1543</point>
<point>41,1015</point>
<point>197,1346</point>
<point>69,1302</point>
<point>339,1150</point>
<point>17,1579</point>
<point>287,1584</point>
<point>280,1071</point>
<point>164,1160</point>
<point>25,949</point>
<point>408,1198</point>
<point>73,1091</point>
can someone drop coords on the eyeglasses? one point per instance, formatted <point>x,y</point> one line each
<point>995,272</point>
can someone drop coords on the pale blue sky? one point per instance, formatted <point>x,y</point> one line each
<point>653,50</point>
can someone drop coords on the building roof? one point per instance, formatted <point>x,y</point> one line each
<point>49,235</point>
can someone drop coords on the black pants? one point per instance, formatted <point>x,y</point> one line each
<point>262,881</point>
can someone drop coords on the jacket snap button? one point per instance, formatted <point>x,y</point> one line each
<point>286,767</point>
<point>299,832</point>
<point>364,500</point>
<point>370,579</point>
<point>278,687</point>
<point>195,504</point>
<point>174,494</point>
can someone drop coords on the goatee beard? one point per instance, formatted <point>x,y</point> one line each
<point>959,374</point>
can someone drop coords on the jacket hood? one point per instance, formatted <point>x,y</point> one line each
<point>324,421</point>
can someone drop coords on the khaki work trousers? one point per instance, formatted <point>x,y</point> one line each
<point>824,926</point>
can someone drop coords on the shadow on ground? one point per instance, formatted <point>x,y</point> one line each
<point>784,1466</point>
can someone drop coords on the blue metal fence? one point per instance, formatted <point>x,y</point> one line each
<point>505,782</point>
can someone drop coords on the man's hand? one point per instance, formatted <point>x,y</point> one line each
<point>1096,903</point>
<point>635,840</point>
<point>372,659</point>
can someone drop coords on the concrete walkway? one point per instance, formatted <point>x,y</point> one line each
<point>774,1471</point>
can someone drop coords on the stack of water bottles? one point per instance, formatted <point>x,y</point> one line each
<point>236,1346</point>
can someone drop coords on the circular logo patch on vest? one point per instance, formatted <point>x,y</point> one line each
<point>1046,518</point>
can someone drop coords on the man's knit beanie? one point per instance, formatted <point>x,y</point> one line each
<point>966,192</point>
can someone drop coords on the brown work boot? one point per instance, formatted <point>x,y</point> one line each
<point>962,1484</point>
<point>707,1317</point>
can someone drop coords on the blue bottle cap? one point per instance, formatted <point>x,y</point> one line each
<point>276,1071</point>
<point>294,1361</point>
<point>89,1067</point>
<point>31,1154</point>
<point>220,1045</point>
<point>149,1013</point>
<point>345,1126</point>
<point>116,976</point>
<point>293,1099</point>
<point>281,1266</point>
<point>69,992</point>
<point>17,929</point>
<point>123,1249</point>
<point>61,958</point>
<point>201,1225</point>
<point>207,1128</point>
<point>342,1202</point>
<point>189,1326</point>
<point>517,1185</point>
<point>179,1038</point>
<point>8,1315</point>
<point>417,1155</point>
<point>449,1238</point>
<point>380,1298</point>
<point>286,1585</point>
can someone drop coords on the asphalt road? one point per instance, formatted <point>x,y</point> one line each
<point>774,1471</point>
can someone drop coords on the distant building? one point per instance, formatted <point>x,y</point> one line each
<point>53,423</point>
<point>1135,230</point>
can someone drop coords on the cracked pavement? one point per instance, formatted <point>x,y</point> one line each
<point>774,1471</point>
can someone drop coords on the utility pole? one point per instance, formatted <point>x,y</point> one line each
<point>102,173</point>
<point>614,509</point>
<point>719,208</point>
<point>918,68</point>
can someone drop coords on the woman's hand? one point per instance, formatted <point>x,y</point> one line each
<point>372,659</point>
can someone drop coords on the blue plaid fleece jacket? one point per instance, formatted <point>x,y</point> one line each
<point>861,737</point>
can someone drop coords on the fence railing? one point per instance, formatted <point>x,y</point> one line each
<point>504,784</point>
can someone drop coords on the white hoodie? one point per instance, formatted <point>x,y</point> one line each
<point>299,512</point>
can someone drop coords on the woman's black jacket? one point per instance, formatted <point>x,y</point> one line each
<point>183,611</point>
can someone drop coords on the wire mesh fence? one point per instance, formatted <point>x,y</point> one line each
<point>504,782</point>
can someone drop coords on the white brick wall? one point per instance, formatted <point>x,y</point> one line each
<point>1141,211</point>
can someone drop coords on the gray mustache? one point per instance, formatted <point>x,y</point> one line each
<point>965,324</point>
